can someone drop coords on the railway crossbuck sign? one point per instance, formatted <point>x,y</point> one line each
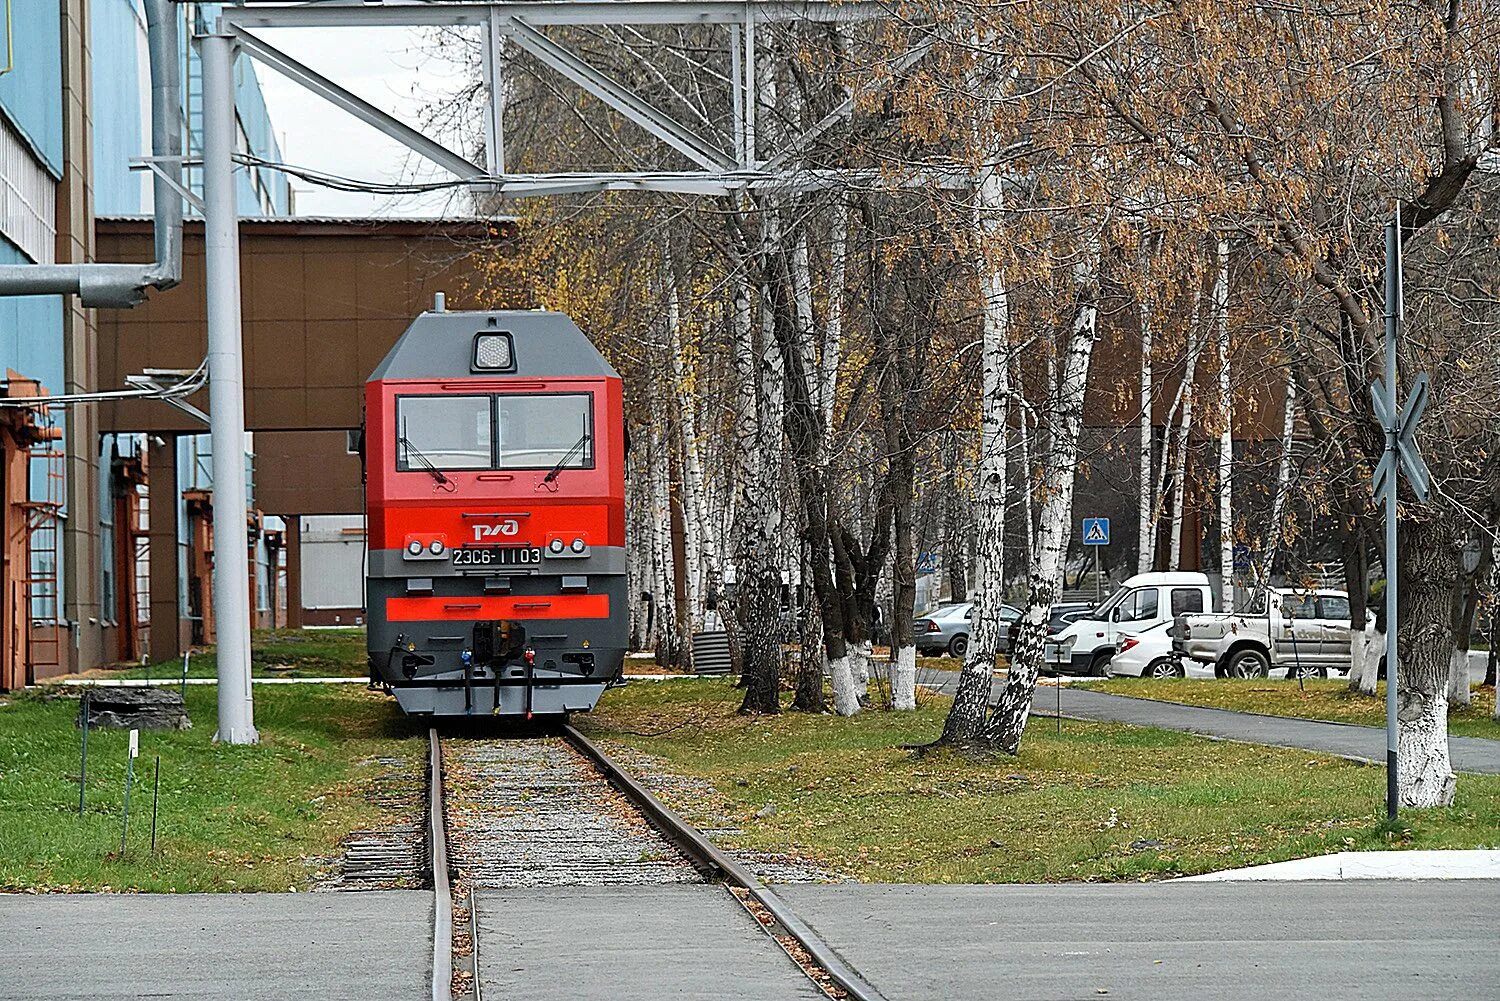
<point>1401,430</point>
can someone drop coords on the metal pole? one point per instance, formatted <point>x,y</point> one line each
<point>1098,594</point>
<point>155,798</point>
<point>1392,573</point>
<point>83,764</point>
<point>226,393</point>
<point>737,91</point>
<point>750,97</point>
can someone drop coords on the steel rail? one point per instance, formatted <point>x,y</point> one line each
<point>704,854</point>
<point>442,889</point>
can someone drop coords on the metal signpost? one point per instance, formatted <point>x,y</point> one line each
<point>1400,454</point>
<point>1096,534</point>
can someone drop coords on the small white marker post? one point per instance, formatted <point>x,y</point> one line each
<point>135,749</point>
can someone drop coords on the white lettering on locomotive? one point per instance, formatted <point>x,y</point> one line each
<point>507,527</point>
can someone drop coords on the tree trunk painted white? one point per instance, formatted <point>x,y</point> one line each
<point>1226,421</point>
<point>966,716</point>
<point>1146,550</point>
<point>904,677</point>
<point>1065,417</point>
<point>1364,659</point>
<point>1195,341</point>
<point>1429,575</point>
<point>1459,692</point>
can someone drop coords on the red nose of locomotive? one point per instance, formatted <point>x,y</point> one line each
<point>495,491</point>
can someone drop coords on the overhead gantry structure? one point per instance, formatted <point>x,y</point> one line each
<point>752,161</point>
<point>749,163</point>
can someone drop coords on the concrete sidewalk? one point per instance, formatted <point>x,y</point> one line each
<point>1371,941</point>
<point>241,946</point>
<point>1363,743</point>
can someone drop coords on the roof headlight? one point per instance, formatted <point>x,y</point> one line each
<point>494,353</point>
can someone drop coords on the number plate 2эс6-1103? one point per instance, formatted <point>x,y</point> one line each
<point>496,556</point>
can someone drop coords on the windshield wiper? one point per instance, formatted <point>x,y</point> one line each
<point>577,446</point>
<point>432,470</point>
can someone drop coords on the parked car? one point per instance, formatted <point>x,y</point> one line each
<point>947,629</point>
<point>1086,646</point>
<point>1065,613</point>
<point>1305,632</point>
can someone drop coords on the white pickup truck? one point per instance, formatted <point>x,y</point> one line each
<point>1304,631</point>
<point>1144,600</point>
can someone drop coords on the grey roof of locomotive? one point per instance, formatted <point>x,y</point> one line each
<point>441,346</point>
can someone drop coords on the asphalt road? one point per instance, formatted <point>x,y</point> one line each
<point>1309,941</point>
<point>1365,743</point>
<point>240,946</point>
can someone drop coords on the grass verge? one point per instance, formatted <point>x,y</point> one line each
<point>231,818</point>
<point>274,653</point>
<point>1318,699</point>
<point>1098,802</point>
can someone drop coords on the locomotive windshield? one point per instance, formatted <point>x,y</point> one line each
<point>448,432</point>
<point>540,432</point>
<point>511,431</point>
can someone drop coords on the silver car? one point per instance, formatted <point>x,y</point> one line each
<point>946,630</point>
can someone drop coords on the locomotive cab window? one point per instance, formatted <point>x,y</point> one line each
<point>443,432</point>
<point>545,431</point>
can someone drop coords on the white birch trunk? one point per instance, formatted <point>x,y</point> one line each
<point>1275,534</point>
<point>966,717</point>
<point>1008,722</point>
<point>833,326</point>
<point>661,526</point>
<point>1226,418</point>
<point>694,523</point>
<point>1184,433</point>
<point>1146,553</point>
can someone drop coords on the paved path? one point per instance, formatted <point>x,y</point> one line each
<point>1366,743</point>
<point>630,943</point>
<point>244,946</point>
<point>1388,941</point>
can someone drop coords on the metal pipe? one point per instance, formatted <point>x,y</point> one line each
<point>124,285</point>
<point>221,239</point>
<point>1392,563</point>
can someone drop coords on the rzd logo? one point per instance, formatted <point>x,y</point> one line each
<point>507,527</point>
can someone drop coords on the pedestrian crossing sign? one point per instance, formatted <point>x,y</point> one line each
<point>1096,531</point>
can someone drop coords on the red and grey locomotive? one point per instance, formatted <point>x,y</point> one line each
<point>495,489</point>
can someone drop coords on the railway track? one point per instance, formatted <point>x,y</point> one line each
<point>558,811</point>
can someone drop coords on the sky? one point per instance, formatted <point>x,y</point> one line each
<point>391,68</point>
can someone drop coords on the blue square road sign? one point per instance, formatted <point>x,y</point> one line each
<point>1096,531</point>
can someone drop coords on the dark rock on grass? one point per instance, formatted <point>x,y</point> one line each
<point>138,708</point>
<point>1146,844</point>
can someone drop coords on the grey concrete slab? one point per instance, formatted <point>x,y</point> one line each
<point>1305,941</point>
<point>1367,743</point>
<point>629,943</point>
<point>245,947</point>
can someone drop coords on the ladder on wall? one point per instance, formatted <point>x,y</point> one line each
<point>44,516</point>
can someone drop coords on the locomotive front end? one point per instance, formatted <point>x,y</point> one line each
<point>494,454</point>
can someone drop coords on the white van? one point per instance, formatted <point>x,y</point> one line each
<point>1086,646</point>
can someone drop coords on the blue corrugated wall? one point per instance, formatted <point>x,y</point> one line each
<point>31,93</point>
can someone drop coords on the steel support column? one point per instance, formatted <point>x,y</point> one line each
<point>231,592</point>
